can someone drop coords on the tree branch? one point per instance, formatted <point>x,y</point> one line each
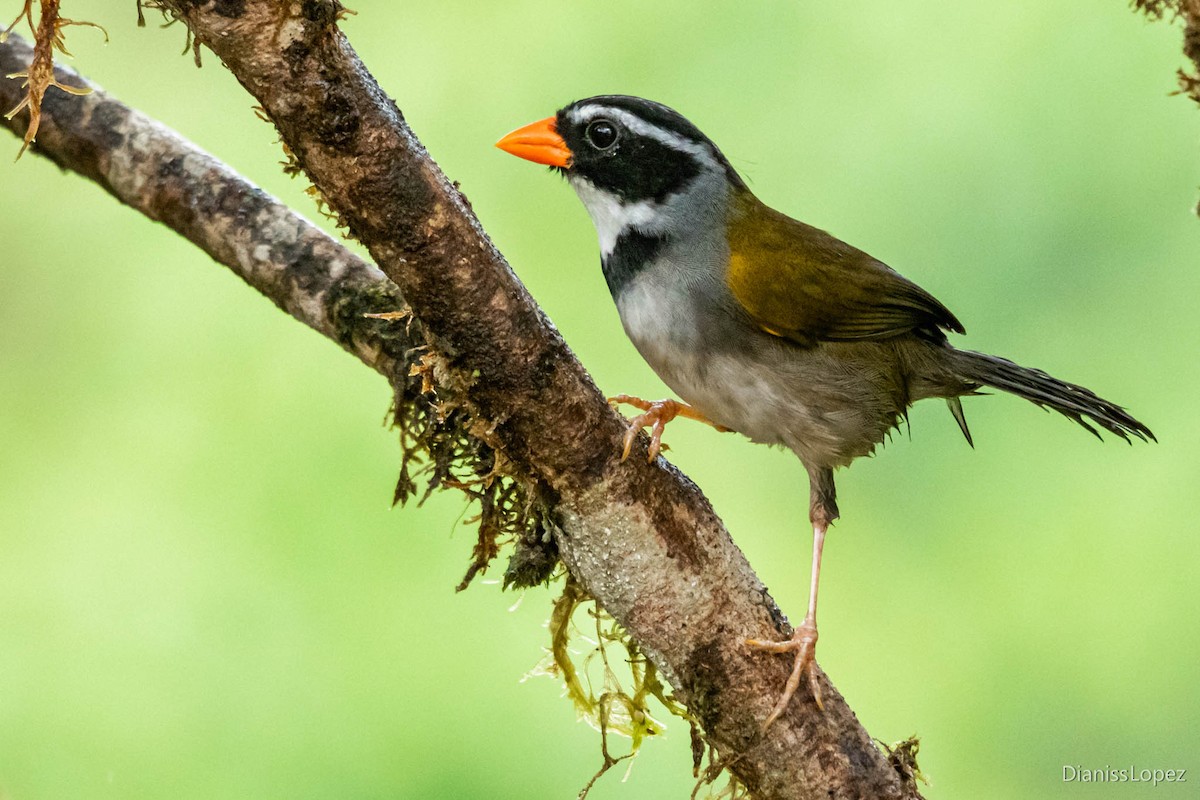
<point>639,537</point>
<point>156,171</point>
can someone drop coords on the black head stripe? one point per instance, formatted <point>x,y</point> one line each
<point>638,167</point>
<point>656,114</point>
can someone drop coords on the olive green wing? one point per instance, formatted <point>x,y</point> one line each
<point>803,284</point>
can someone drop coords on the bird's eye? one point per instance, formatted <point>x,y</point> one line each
<point>601,134</point>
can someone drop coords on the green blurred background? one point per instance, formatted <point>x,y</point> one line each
<point>205,594</point>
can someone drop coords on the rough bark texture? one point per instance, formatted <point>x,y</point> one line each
<point>156,171</point>
<point>639,537</point>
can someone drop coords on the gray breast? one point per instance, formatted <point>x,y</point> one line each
<point>684,325</point>
<point>665,265</point>
<point>828,403</point>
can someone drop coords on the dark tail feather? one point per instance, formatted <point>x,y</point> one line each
<point>1068,399</point>
<point>961,418</point>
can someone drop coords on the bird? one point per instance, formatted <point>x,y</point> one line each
<point>762,324</point>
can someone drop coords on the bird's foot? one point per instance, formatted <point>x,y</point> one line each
<point>656,414</point>
<point>804,643</point>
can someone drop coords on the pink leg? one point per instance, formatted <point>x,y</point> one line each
<point>803,641</point>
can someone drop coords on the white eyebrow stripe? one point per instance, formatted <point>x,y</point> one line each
<point>640,127</point>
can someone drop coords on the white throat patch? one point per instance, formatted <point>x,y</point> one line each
<point>612,217</point>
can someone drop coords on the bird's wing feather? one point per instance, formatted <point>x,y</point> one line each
<point>801,283</point>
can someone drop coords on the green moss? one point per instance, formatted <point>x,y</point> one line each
<point>611,684</point>
<point>440,448</point>
<point>902,756</point>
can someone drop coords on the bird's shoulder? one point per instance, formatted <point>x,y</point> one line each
<point>803,284</point>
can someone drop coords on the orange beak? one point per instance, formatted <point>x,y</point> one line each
<point>538,142</point>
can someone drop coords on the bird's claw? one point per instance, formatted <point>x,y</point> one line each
<point>655,416</point>
<point>804,643</point>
